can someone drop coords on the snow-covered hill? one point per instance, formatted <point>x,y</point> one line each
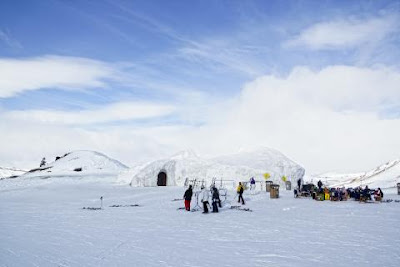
<point>384,176</point>
<point>9,172</point>
<point>231,168</point>
<point>79,163</point>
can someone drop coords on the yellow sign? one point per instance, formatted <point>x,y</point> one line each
<point>267,175</point>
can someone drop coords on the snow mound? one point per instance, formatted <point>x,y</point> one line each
<point>186,165</point>
<point>385,176</point>
<point>185,155</point>
<point>79,163</point>
<point>10,172</point>
<point>265,160</point>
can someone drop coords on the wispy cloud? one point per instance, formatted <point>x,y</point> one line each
<point>9,41</point>
<point>127,80</point>
<point>222,55</point>
<point>131,16</point>
<point>346,33</point>
<point>115,112</point>
<point>53,72</point>
<point>227,53</point>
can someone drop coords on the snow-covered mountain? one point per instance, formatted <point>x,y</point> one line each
<point>9,172</point>
<point>385,176</point>
<point>79,163</point>
<point>232,168</point>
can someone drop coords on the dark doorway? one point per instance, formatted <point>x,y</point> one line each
<point>162,179</point>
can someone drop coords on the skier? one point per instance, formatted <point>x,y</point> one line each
<point>204,199</point>
<point>188,197</point>
<point>43,162</point>
<point>215,199</point>
<point>240,190</point>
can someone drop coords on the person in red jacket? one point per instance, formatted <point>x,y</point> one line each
<point>188,197</point>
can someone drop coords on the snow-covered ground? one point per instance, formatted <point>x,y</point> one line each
<point>42,223</point>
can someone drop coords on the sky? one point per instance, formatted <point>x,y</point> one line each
<point>141,80</point>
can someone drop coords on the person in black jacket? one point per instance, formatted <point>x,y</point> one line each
<point>366,194</point>
<point>319,185</point>
<point>188,197</point>
<point>215,200</point>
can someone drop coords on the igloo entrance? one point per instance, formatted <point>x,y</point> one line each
<point>162,179</point>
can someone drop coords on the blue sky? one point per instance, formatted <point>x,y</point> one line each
<point>189,64</point>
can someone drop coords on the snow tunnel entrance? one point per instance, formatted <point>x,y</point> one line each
<point>162,179</point>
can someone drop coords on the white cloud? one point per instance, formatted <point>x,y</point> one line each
<point>346,33</point>
<point>326,120</point>
<point>25,143</point>
<point>344,88</point>
<point>109,113</point>
<point>53,72</point>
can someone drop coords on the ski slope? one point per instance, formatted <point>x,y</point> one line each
<point>384,176</point>
<point>43,224</point>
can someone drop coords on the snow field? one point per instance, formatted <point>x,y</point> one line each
<point>44,225</point>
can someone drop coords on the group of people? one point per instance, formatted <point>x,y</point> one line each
<point>365,194</point>
<point>340,194</point>
<point>205,196</point>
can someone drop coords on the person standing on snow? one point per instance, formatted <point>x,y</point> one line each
<point>240,190</point>
<point>188,197</point>
<point>299,184</point>
<point>252,184</point>
<point>216,195</point>
<point>319,186</point>
<point>215,199</point>
<point>204,198</point>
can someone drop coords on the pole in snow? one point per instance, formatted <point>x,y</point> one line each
<point>101,200</point>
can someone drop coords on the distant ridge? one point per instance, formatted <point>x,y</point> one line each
<point>385,176</point>
<point>10,172</point>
